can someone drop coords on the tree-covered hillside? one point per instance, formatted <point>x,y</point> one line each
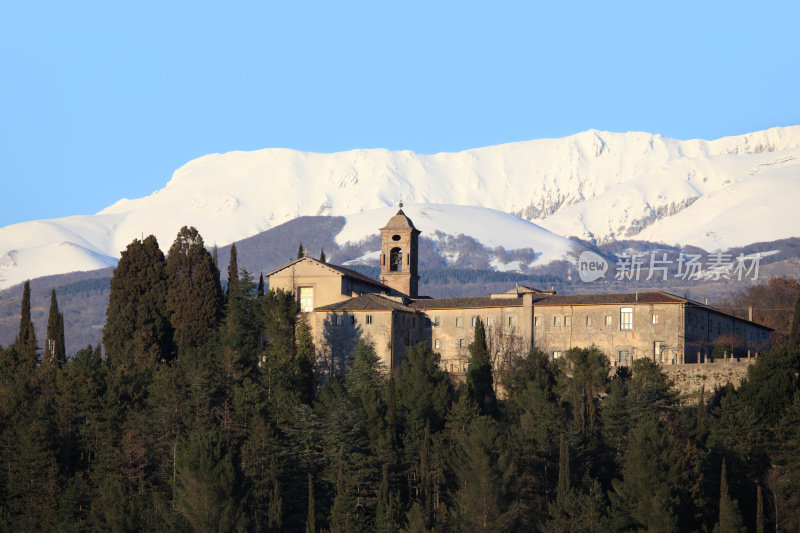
<point>205,413</point>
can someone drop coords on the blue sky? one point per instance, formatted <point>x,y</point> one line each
<point>100,101</point>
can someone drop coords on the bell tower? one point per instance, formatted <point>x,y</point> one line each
<point>399,254</point>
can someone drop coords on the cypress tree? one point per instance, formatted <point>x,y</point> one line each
<point>305,362</point>
<point>54,351</point>
<point>794,335</point>
<point>300,251</point>
<point>322,258</point>
<point>479,373</point>
<point>233,270</point>
<point>26,338</point>
<point>194,296</point>
<point>730,519</point>
<point>260,289</point>
<point>137,324</point>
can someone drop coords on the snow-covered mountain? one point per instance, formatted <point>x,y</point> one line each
<point>594,185</point>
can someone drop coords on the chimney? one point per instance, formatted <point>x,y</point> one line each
<point>750,313</point>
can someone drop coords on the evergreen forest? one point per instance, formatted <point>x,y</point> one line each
<point>200,410</point>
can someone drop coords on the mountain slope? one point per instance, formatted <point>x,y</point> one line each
<point>595,185</point>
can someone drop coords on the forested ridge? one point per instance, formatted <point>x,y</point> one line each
<point>202,412</point>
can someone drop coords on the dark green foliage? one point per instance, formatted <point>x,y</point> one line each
<point>794,334</point>
<point>584,377</point>
<point>423,390</point>
<point>26,338</point>
<point>194,296</point>
<point>260,289</point>
<point>234,436</point>
<point>483,471</point>
<point>480,382</point>
<point>209,489</point>
<point>233,270</point>
<point>311,518</point>
<point>300,252</point>
<point>54,349</point>
<point>648,493</point>
<point>137,326</point>
<point>730,520</point>
<point>322,258</point>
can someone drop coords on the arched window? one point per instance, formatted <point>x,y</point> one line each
<point>395,260</point>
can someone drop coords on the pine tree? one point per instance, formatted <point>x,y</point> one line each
<point>208,484</point>
<point>26,338</point>
<point>300,252</point>
<point>137,325</point>
<point>730,519</point>
<point>584,377</point>
<point>482,471</point>
<point>651,478</point>
<point>423,390</point>
<point>479,373</point>
<point>322,258</point>
<point>233,270</point>
<point>194,296</point>
<point>54,351</point>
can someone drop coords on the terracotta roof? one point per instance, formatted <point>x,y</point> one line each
<point>358,276</point>
<point>469,302</point>
<point>367,302</point>
<point>340,269</point>
<point>600,299</point>
<point>400,221</point>
<point>657,297</point>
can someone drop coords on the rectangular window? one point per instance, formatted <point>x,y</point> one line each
<point>622,357</point>
<point>436,321</point>
<point>460,343</point>
<point>369,319</point>
<point>437,344</point>
<point>510,321</point>
<point>459,321</point>
<point>658,351</point>
<point>474,321</point>
<point>556,354</point>
<point>626,318</point>
<point>655,319</point>
<point>588,321</point>
<point>488,321</point>
<point>556,321</point>
<point>537,321</point>
<point>609,320</point>
<point>337,320</point>
<point>567,321</point>
<point>306,299</point>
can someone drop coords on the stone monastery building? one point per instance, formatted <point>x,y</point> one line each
<point>343,306</point>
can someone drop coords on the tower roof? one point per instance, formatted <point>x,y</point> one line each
<point>400,222</point>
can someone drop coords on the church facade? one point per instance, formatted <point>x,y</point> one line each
<point>343,307</point>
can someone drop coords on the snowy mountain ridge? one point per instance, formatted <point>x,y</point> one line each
<point>594,185</point>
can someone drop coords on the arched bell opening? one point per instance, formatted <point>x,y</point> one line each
<point>395,260</point>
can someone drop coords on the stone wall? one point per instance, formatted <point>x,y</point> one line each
<point>689,378</point>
